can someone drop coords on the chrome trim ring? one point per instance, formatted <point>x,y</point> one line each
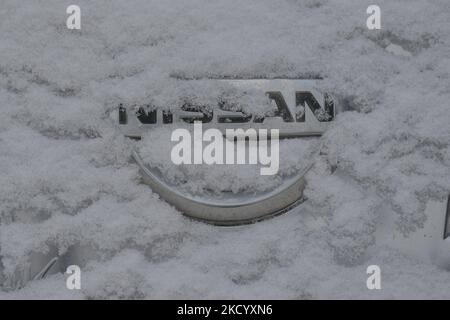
<point>230,210</point>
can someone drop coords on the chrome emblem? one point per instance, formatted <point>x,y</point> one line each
<point>301,110</point>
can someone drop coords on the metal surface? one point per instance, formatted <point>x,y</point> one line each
<point>43,264</point>
<point>303,111</point>
<point>447,220</point>
<point>45,270</point>
<point>230,209</point>
<point>288,94</point>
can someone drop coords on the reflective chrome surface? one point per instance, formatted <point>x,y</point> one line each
<point>230,209</point>
<point>289,95</point>
<point>302,111</point>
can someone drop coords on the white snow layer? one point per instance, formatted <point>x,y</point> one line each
<point>66,178</point>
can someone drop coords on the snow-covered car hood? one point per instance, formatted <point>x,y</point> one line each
<point>68,187</point>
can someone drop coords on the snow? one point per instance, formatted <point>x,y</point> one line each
<point>67,180</point>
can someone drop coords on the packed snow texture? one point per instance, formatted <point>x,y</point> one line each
<point>67,183</point>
